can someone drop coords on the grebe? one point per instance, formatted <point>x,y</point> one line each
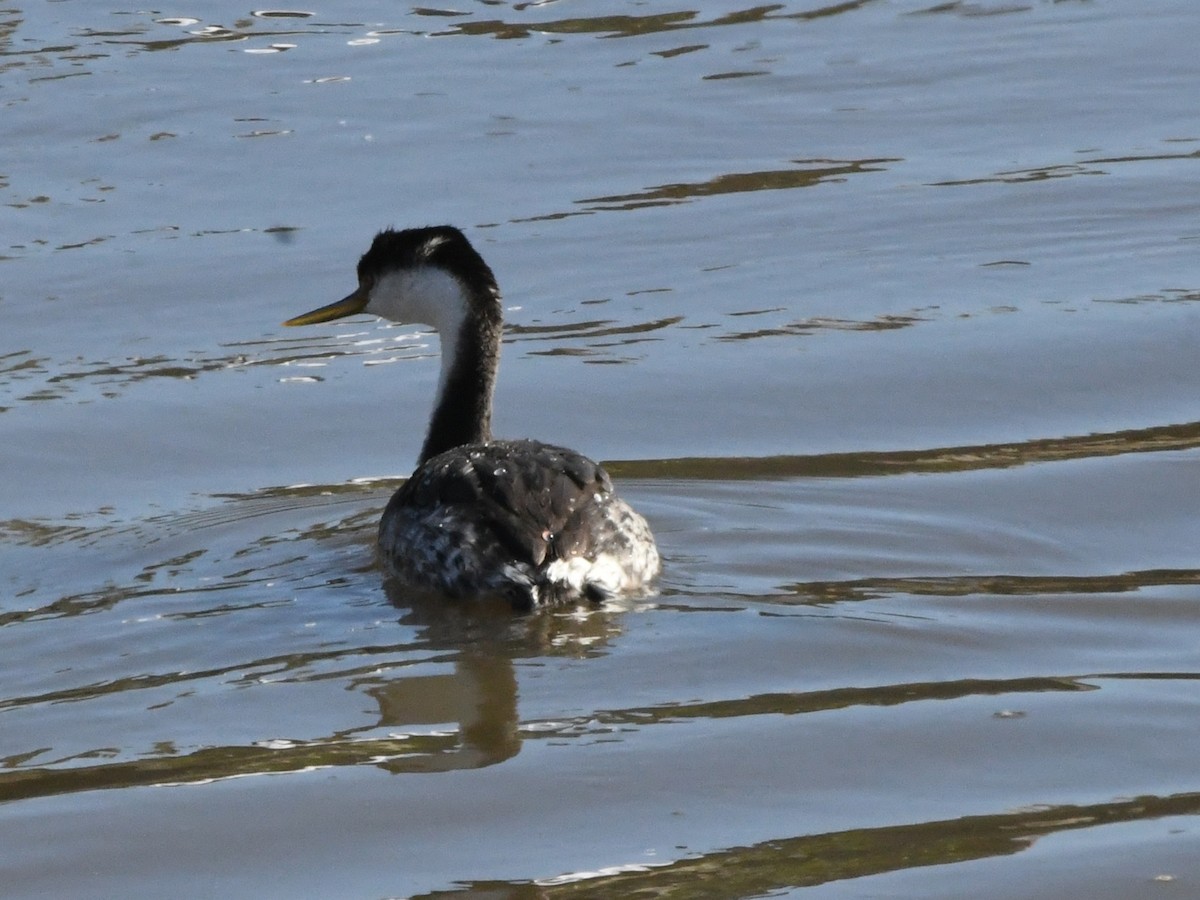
<point>531,522</point>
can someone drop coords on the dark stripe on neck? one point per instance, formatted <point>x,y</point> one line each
<point>463,411</point>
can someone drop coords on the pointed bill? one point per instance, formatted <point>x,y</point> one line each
<point>347,306</point>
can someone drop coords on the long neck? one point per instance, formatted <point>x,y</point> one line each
<point>462,412</point>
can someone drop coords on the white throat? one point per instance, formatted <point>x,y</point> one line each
<point>426,295</point>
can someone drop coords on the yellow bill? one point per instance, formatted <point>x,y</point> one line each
<point>347,306</point>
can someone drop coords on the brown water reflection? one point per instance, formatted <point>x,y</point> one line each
<point>794,862</point>
<point>476,705</point>
<point>461,719</point>
<point>1066,170</point>
<point>897,462</point>
<point>195,31</point>
<point>632,26</point>
<point>787,704</point>
<point>818,171</point>
<point>823,592</point>
<point>445,699</point>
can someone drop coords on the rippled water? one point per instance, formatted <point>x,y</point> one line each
<point>884,313</point>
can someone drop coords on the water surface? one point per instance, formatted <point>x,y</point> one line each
<point>884,313</point>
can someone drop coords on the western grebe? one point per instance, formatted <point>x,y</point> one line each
<point>532,522</point>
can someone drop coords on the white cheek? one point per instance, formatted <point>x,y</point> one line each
<point>422,296</point>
